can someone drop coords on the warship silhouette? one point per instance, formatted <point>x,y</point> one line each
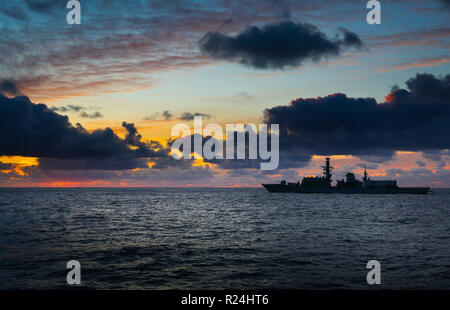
<point>322,185</point>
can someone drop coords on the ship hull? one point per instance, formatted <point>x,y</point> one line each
<point>294,188</point>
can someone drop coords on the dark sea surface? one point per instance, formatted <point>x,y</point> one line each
<point>222,239</point>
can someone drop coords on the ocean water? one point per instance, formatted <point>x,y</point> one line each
<point>222,239</point>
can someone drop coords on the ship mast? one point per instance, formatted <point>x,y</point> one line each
<point>327,169</point>
<point>366,179</point>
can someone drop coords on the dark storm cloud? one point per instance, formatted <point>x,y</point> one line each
<point>425,87</point>
<point>91,164</point>
<point>351,38</point>
<point>29,129</point>
<point>132,137</point>
<point>446,3</point>
<point>96,114</point>
<point>435,155</point>
<point>412,120</point>
<point>9,87</point>
<point>277,46</point>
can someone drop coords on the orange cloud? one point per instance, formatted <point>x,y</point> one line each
<point>18,163</point>
<point>427,62</point>
<point>94,183</point>
<point>200,162</point>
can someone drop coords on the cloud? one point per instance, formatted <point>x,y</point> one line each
<point>154,116</point>
<point>421,164</point>
<point>351,38</point>
<point>435,155</point>
<point>96,114</point>
<point>425,87</point>
<point>5,166</point>
<point>162,36</point>
<point>416,119</point>
<point>434,36</point>
<point>14,12</point>
<point>76,108</point>
<point>44,6</point>
<point>165,115</point>
<point>365,166</point>
<point>92,164</point>
<point>9,87</point>
<point>419,63</point>
<point>188,116</point>
<point>28,129</point>
<point>246,95</point>
<point>446,3</point>
<point>277,46</point>
<point>68,108</point>
<point>185,116</point>
<point>287,159</point>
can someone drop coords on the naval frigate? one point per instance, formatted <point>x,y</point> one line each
<point>349,185</point>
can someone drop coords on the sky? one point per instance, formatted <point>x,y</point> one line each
<point>94,104</point>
